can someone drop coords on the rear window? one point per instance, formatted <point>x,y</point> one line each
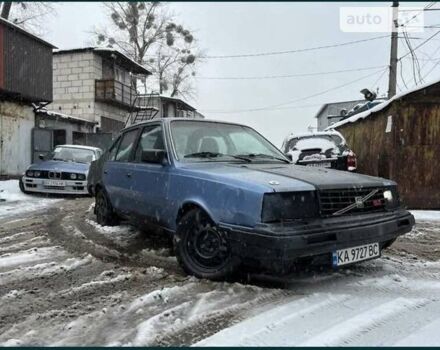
<point>323,142</point>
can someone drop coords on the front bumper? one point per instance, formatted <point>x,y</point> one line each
<point>276,246</point>
<point>37,185</point>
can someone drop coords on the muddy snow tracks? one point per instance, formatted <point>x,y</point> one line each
<point>64,280</point>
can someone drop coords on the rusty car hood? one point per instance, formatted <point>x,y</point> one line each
<point>281,177</point>
<point>321,178</point>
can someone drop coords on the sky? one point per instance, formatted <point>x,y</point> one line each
<point>275,107</point>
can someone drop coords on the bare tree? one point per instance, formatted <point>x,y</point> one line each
<point>29,15</point>
<point>147,33</point>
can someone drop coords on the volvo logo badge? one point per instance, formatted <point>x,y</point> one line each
<point>359,202</point>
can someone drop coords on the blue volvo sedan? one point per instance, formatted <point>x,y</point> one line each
<point>64,171</point>
<point>230,198</point>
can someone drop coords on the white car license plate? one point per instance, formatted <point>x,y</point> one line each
<point>55,183</point>
<point>323,164</point>
<point>354,254</point>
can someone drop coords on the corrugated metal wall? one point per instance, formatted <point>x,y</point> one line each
<point>27,66</point>
<point>409,154</point>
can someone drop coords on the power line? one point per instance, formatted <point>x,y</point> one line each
<point>272,107</point>
<point>291,75</point>
<point>379,78</point>
<point>272,53</point>
<point>426,8</point>
<point>420,45</point>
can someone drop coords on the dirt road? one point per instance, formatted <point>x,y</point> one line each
<point>64,280</point>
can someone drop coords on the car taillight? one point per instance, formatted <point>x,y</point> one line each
<point>351,161</point>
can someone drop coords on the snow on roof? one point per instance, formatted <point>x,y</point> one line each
<point>106,50</point>
<point>340,105</point>
<point>380,106</point>
<point>134,63</point>
<point>81,147</point>
<point>316,133</point>
<point>62,115</point>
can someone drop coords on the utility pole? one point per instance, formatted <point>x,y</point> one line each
<point>6,9</point>
<point>392,80</point>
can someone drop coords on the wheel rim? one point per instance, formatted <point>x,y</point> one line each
<point>208,247</point>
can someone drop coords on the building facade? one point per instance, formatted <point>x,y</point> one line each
<point>25,80</point>
<point>98,85</point>
<point>330,113</point>
<point>400,140</point>
<point>95,84</point>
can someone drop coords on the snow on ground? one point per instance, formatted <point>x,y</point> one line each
<point>390,303</point>
<point>426,215</point>
<point>64,280</point>
<point>13,202</point>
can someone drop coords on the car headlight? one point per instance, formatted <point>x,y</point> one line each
<point>37,173</point>
<point>73,176</point>
<point>29,173</point>
<point>391,197</point>
<point>289,206</point>
<point>388,195</point>
<point>81,177</point>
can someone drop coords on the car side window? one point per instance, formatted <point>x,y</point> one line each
<point>151,139</point>
<point>112,152</point>
<point>126,146</point>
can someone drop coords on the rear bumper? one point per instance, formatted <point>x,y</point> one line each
<point>40,186</point>
<point>277,245</point>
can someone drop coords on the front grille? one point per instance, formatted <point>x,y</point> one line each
<point>56,175</point>
<point>332,201</point>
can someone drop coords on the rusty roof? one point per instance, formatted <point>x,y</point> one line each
<point>25,32</point>
<point>110,53</point>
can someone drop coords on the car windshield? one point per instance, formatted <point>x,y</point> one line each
<point>211,141</point>
<point>73,154</point>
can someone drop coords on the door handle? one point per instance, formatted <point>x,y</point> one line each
<point>128,174</point>
<point>105,171</point>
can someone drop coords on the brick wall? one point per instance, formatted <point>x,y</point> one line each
<point>74,76</point>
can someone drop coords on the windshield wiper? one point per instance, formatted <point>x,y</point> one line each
<point>262,155</point>
<point>215,155</point>
<point>203,155</point>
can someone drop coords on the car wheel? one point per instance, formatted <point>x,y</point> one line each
<point>21,185</point>
<point>388,244</point>
<point>202,249</point>
<point>105,215</point>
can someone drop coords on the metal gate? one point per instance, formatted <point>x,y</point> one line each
<point>42,141</point>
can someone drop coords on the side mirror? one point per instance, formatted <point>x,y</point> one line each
<point>156,156</point>
<point>289,156</point>
<point>41,156</point>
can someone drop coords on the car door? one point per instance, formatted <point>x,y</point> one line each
<point>117,173</point>
<point>150,181</point>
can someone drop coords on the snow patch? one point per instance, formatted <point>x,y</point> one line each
<point>17,202</point>
<point>43,269</point>
<point>30,255</point>
<point>426,215</point>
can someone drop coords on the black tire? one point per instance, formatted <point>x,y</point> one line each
<point>202,249</point>
<point>388,244</point>
<point>21,185</point>
<point>105,214</point>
